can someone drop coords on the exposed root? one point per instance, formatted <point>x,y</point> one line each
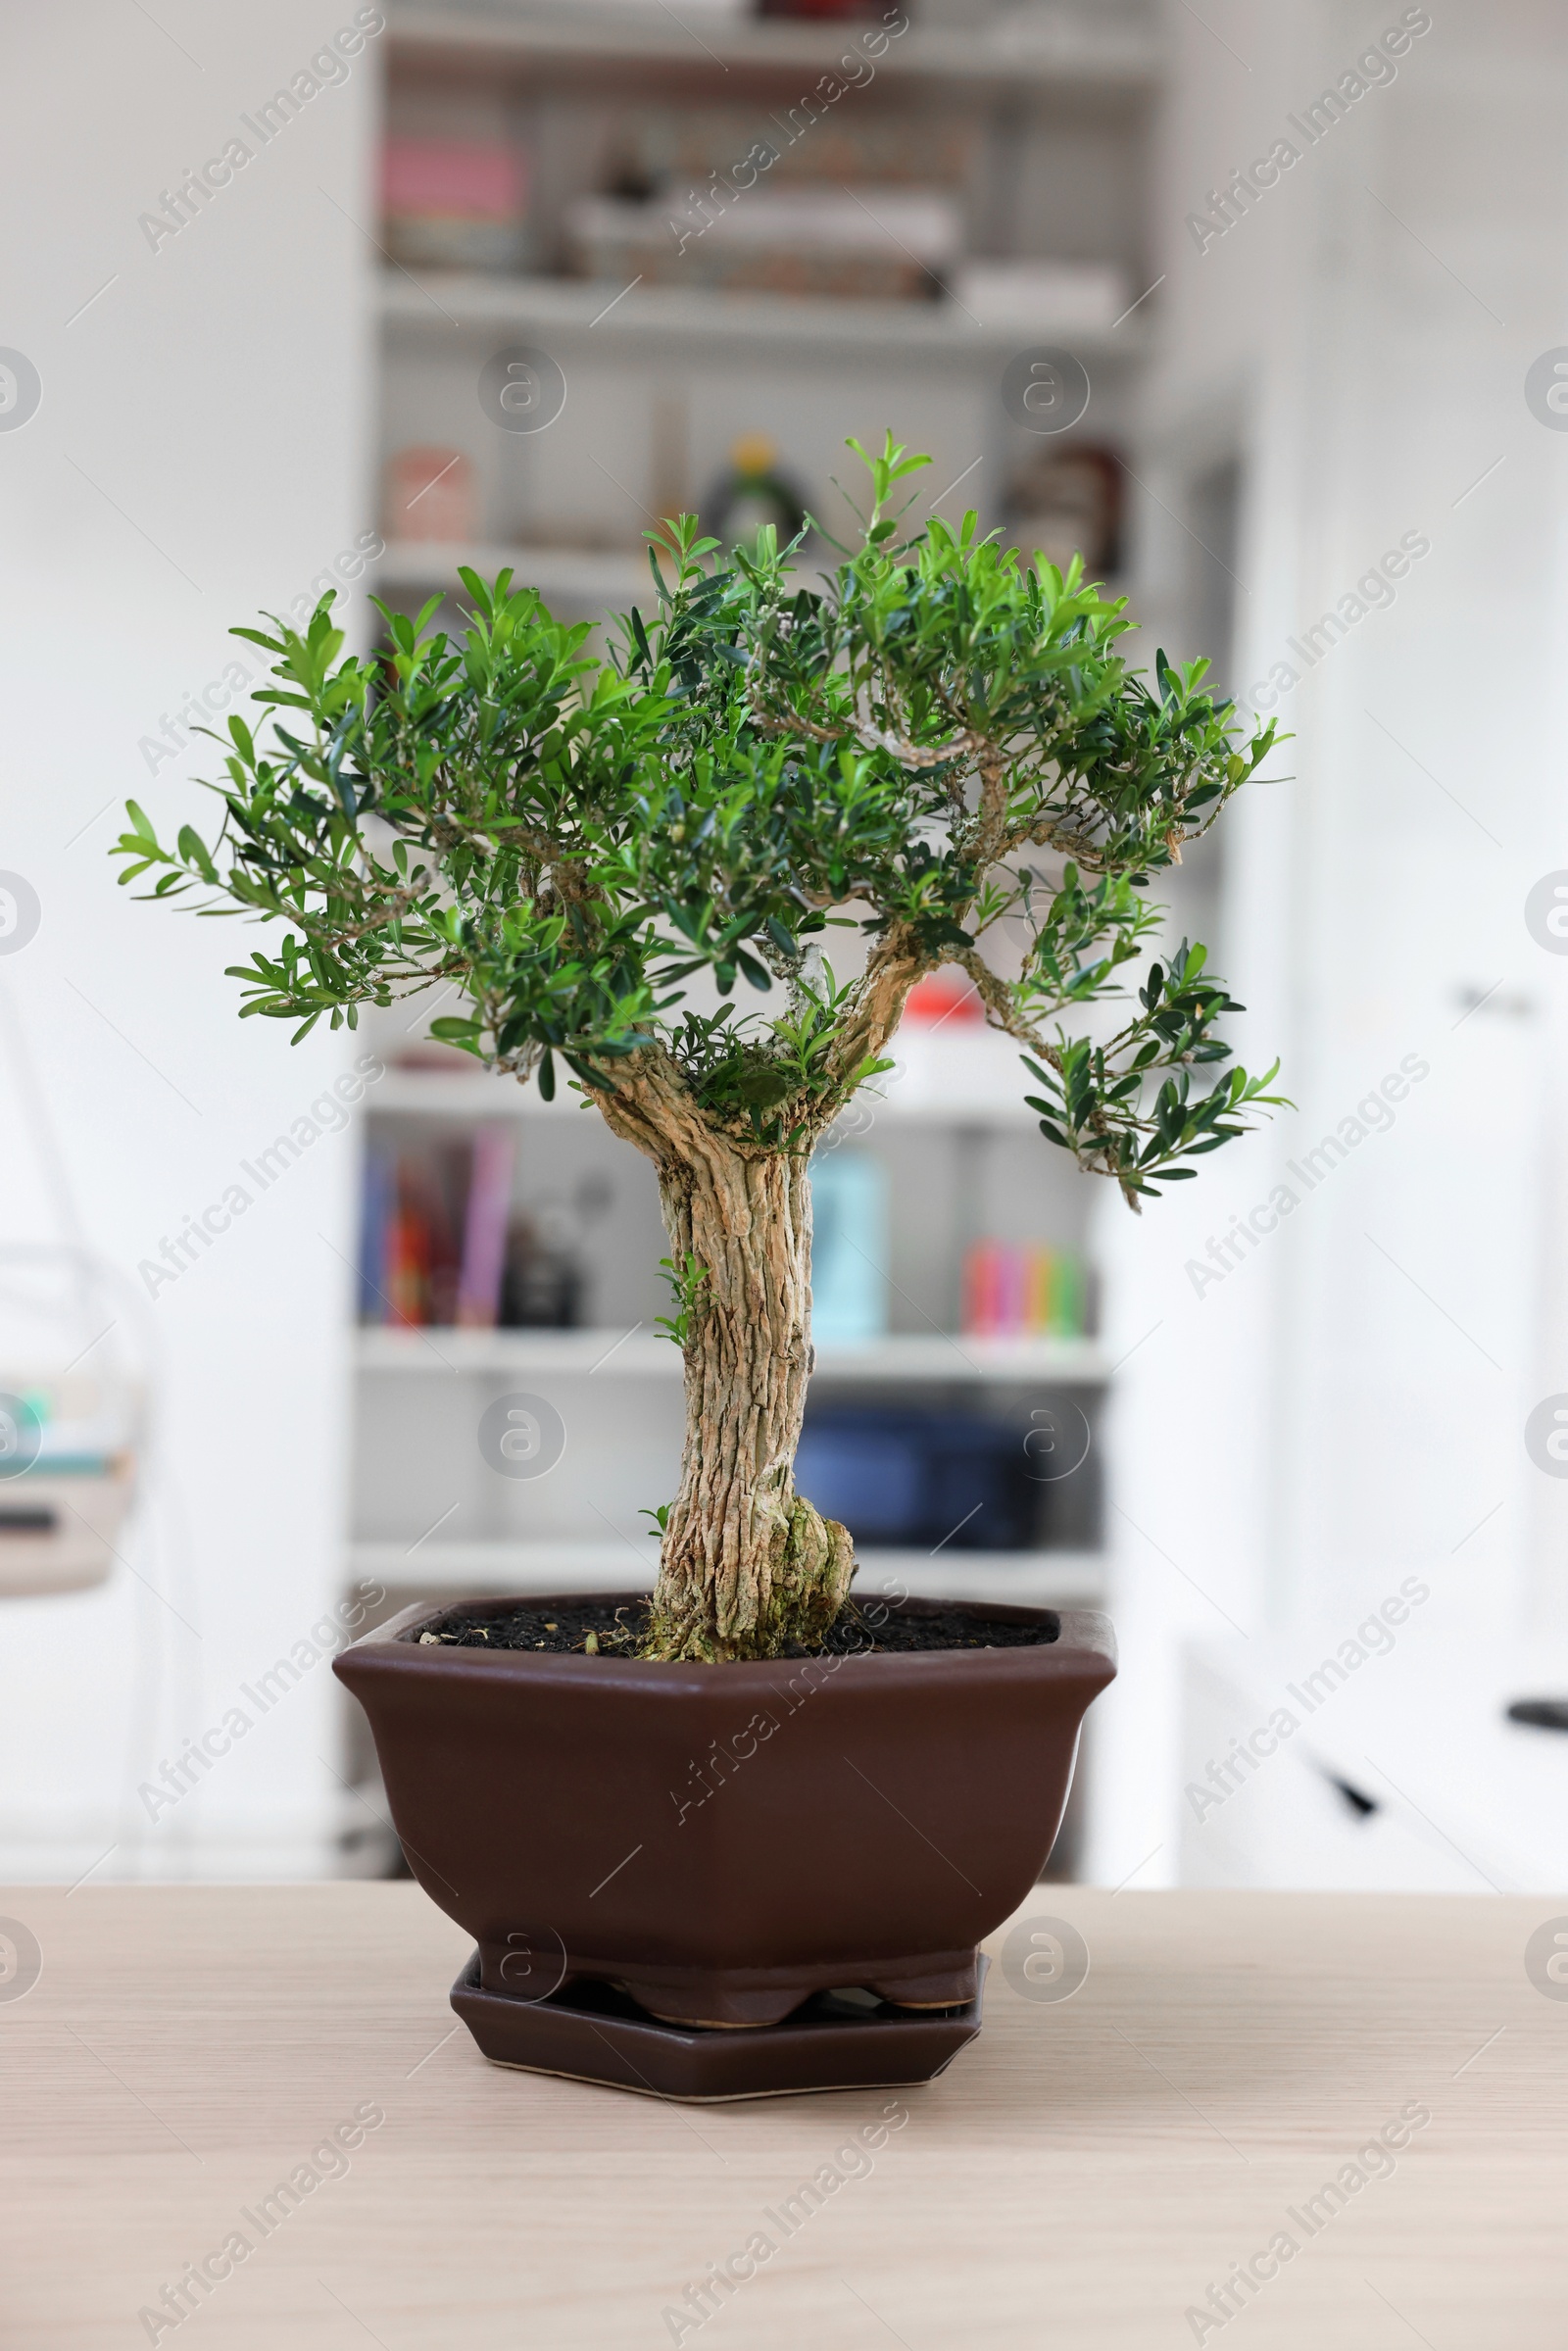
<point>812,1563</point>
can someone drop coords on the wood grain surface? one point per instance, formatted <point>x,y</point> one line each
<point>1081,2176</point>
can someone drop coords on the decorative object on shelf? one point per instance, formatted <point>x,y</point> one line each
<point>543,1285</point>
<point>593,853</point>
<point>1042,298</point>
<point>430,495</point>
<point>921,1479</point>
<point>944,995</point>
<point>879,244</point>
<point>754,496</point>
<point>849,1247</point>
<point>454,204</point>
<point>1068,501</point>
<point>1024,1290</point>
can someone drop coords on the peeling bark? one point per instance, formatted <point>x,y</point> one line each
<point>748,1566</point>
<point>896,964</point>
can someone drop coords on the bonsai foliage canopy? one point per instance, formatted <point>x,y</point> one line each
<point>935,748</point>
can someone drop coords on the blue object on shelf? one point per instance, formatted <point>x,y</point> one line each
<point>375,1214</point>
<point>921,1479</point>
<point>849,1247</point>
<point>864,1471</point>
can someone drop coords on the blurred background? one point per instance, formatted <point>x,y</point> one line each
<point>1264,311</point>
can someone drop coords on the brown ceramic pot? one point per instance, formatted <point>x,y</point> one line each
<point>722,1842</point>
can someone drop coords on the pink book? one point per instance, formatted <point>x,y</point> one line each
<point>451,179</point>
<point>484,1227</point>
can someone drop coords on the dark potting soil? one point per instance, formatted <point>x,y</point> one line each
<point>558,1628</point>
<point>864,1627</point>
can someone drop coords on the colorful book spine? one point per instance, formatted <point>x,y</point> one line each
<point>408,1256</point>
<point>979,1308</point>
<point>1069,1319</point>
<point>433,1233</point>
<point>375,1216</point>
<point>1023,1290</point>
<point>484,1229</point>
<point>1040,1264</point>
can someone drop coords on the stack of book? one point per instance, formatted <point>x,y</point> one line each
<point>887,244</point>
<point>723,146</point>
<point>1023,1290</point>
<point>454,204</point>
<point>434,1233</point>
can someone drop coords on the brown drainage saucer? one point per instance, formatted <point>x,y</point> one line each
<point>591,2033</point>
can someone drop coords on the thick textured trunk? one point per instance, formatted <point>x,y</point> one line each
<point>747,1566</point>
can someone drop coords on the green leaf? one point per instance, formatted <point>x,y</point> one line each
<point>581,852</point>
<point>193,848</point>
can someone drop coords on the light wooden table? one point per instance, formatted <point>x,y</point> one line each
<point>1079,2178</point>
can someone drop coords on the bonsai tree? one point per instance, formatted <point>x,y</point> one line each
<point>937,749</point>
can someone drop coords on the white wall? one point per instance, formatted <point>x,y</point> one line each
<point>197,455</point>
<point>1349,1402</point>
